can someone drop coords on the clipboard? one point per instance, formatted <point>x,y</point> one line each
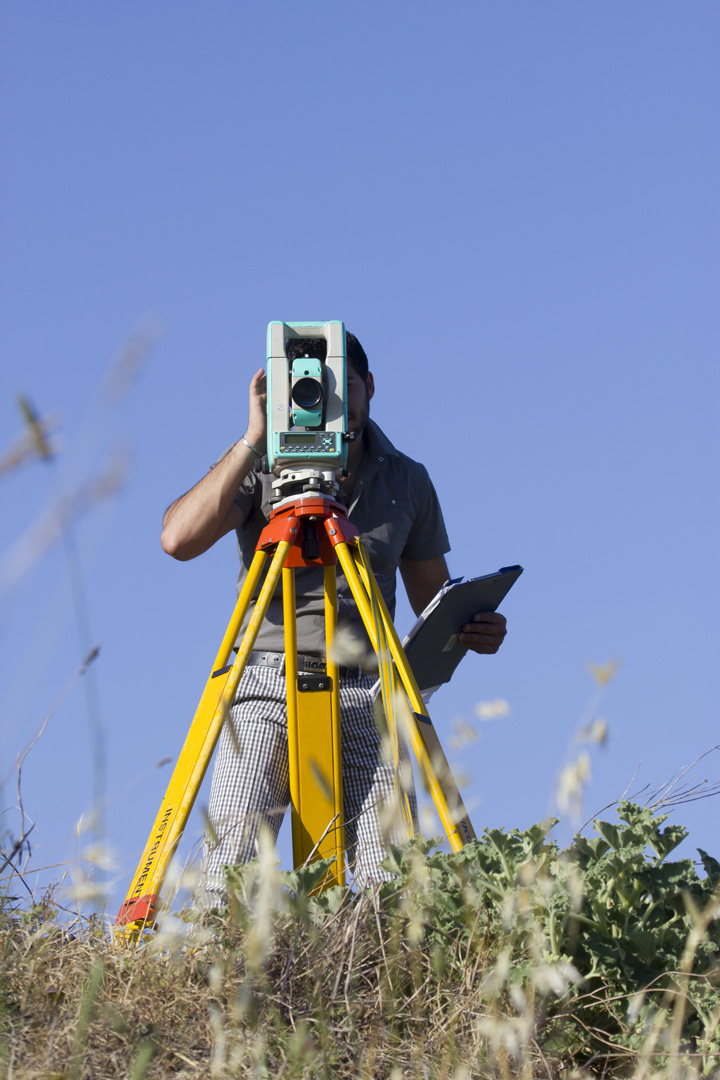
<point>432,646</point>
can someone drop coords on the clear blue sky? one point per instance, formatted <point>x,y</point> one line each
<point>514,205</point>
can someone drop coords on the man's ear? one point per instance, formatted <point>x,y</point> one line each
<point>370,383</point>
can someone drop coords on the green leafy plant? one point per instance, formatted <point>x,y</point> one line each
<point>605,922</point>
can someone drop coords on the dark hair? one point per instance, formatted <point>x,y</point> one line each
<point>356,355</point>
<point>317,347</point>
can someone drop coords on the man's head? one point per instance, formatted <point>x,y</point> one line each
<point>317,348</point>
<point>356,356</point>
<point>360,385</point>
<point>360,382</point>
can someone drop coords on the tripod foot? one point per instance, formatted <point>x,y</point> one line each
<point>143,910</point>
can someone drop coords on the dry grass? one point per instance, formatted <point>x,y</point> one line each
<point>283,984</point>
<point>331,997</point>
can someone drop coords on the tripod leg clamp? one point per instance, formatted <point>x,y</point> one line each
<point>312,684</point>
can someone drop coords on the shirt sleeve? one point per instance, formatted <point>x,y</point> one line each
<point>245,497</point>
<point>428,537</point>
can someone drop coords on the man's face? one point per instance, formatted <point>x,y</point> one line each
<point>359,393</point>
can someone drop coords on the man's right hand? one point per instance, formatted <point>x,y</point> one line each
<point>257,415</point>
<point>198,519</point>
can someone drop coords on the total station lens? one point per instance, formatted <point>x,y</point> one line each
<point>307,393</point>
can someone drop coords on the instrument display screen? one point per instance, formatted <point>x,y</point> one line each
<point>299,439</point>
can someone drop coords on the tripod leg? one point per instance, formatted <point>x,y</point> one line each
<point>289,614</point>
<point>333,671</point>
<point>422,727</point>
<point>139,907</point>
<point>315,768</point>
<point>379,639</point>
<point>421,733</point>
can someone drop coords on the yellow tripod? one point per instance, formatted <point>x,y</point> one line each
<point>308,530</point>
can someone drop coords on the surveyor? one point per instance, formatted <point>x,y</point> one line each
<point>391,500</point>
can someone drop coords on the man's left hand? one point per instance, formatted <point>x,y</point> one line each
<point>485,633</point>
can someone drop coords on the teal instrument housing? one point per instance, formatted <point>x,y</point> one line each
<point>309,435</point>
<point>307,392</point>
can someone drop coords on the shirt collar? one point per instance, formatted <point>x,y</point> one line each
<point>378,444</point>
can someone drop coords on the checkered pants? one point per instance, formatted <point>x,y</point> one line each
<point>250,781</point>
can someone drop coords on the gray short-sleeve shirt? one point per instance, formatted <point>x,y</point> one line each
<point>397,512</point>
